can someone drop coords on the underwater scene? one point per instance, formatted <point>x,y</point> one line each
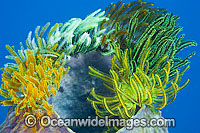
<point>125,66</point>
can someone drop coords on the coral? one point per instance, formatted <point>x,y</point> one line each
<point>14,124</point>
<point>148,115</point>
<point>70,104</point>
<point>146,70</point>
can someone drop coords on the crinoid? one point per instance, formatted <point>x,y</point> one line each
<point>139,13</point>
<point>38,69</point>
<point>29,83</point>
<point>146,71</point>
<point>73,37</point>
<point>145,68</point>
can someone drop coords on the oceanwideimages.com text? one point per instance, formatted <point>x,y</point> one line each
<point>46,121</point>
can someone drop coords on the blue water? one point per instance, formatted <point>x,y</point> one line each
<point>17,18</point>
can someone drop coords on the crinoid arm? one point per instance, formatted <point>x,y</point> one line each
<point>145,68</point>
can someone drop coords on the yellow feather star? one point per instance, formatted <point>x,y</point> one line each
<point>134,89</point>
<point>28,87</point>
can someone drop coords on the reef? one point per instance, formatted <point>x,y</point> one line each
<point>133,48</point>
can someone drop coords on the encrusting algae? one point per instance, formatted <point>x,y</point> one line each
<point>145,67</point>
